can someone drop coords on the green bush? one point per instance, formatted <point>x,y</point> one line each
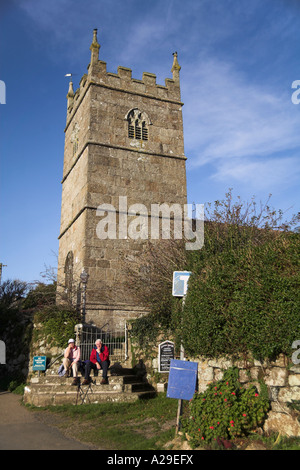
<point>243,295</point>
<point>57,324</point>
<point>226,410</point>
<point>41,295</point>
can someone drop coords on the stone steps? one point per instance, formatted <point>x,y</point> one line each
<point>51,389</point>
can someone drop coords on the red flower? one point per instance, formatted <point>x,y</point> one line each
<point>244,414</point>
<point>232,393</point>
<point>256,395</point>
<point>225,399</point>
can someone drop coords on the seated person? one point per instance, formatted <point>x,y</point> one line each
<point>72,360</point>
<point>99,359</point>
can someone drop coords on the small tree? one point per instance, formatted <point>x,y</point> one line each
<point>12,291</point>
<point>149,279</point>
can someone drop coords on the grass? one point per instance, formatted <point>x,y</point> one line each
<point>142,425</point>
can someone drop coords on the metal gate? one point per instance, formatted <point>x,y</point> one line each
<point>115,340</point>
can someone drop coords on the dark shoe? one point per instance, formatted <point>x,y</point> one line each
<point>75,381</point>
<point>86,382</point>
<point>104,381</point>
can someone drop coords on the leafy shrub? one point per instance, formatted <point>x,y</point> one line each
<point>226,410</point>
<point>11,291</point>
<point>41,295</point>
<point>57,324</point>
<point>243,295</point>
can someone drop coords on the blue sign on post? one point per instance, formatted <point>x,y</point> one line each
<point>182,379</point>
<point>39,363</point>
<point>180,283</point>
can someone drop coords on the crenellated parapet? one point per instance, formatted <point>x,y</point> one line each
<point>123,81</point>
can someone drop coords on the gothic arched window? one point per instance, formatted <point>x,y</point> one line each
<point>138,124</point>
<point>69,275</point>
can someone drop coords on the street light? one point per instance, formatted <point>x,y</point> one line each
<point>84,279</point>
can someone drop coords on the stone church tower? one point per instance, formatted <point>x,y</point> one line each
<point>123,142</point>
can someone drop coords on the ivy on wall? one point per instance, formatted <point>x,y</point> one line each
<point>243,295</point>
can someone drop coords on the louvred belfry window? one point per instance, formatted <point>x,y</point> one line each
<point>138,123</point>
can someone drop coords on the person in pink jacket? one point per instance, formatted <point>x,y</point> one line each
<point>71,360</point>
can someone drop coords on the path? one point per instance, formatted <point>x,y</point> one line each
<point>20,429</point>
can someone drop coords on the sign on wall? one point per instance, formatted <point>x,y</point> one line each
<point>165,354</point>
<point>180,283</point>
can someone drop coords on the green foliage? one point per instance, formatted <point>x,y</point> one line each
<point>57,324</point>
<point>11,291</point>
<point>226,410</point>
<point>42,294</point>
<point>244,294</point>
<point>144,330</point>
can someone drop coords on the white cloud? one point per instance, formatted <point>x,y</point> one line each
<point>236,126</point>
<point>258,174</point>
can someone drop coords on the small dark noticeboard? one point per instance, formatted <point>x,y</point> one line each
<point>182,379</point>
<point>165,355</point>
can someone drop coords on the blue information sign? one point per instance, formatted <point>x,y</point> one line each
<point>39,363</point>
<point>182,379</point>
<point>180,283</point>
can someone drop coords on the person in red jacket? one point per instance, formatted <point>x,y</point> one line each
<point>99,359</point>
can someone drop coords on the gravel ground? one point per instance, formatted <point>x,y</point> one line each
<point>22,429</point>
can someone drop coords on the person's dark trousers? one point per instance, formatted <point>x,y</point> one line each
<point>90,365</point>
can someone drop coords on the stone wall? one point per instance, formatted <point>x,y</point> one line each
<point>282,378</point>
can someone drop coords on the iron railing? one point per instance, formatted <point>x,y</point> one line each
<point>115,340</point>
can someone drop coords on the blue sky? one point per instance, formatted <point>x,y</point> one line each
<point>239,59</point>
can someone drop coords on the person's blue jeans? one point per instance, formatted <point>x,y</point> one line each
<point>90,365</point>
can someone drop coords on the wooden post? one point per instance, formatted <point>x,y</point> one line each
<point>179,409</point>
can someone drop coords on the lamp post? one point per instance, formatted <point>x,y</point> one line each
<point>84,279</point>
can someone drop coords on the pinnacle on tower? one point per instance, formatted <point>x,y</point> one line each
<point>70,95</point>
<point>94,48</point>
<point>175,67</point>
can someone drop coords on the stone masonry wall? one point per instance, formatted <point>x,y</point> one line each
<point>103,162</point>
<point>282,378</point>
